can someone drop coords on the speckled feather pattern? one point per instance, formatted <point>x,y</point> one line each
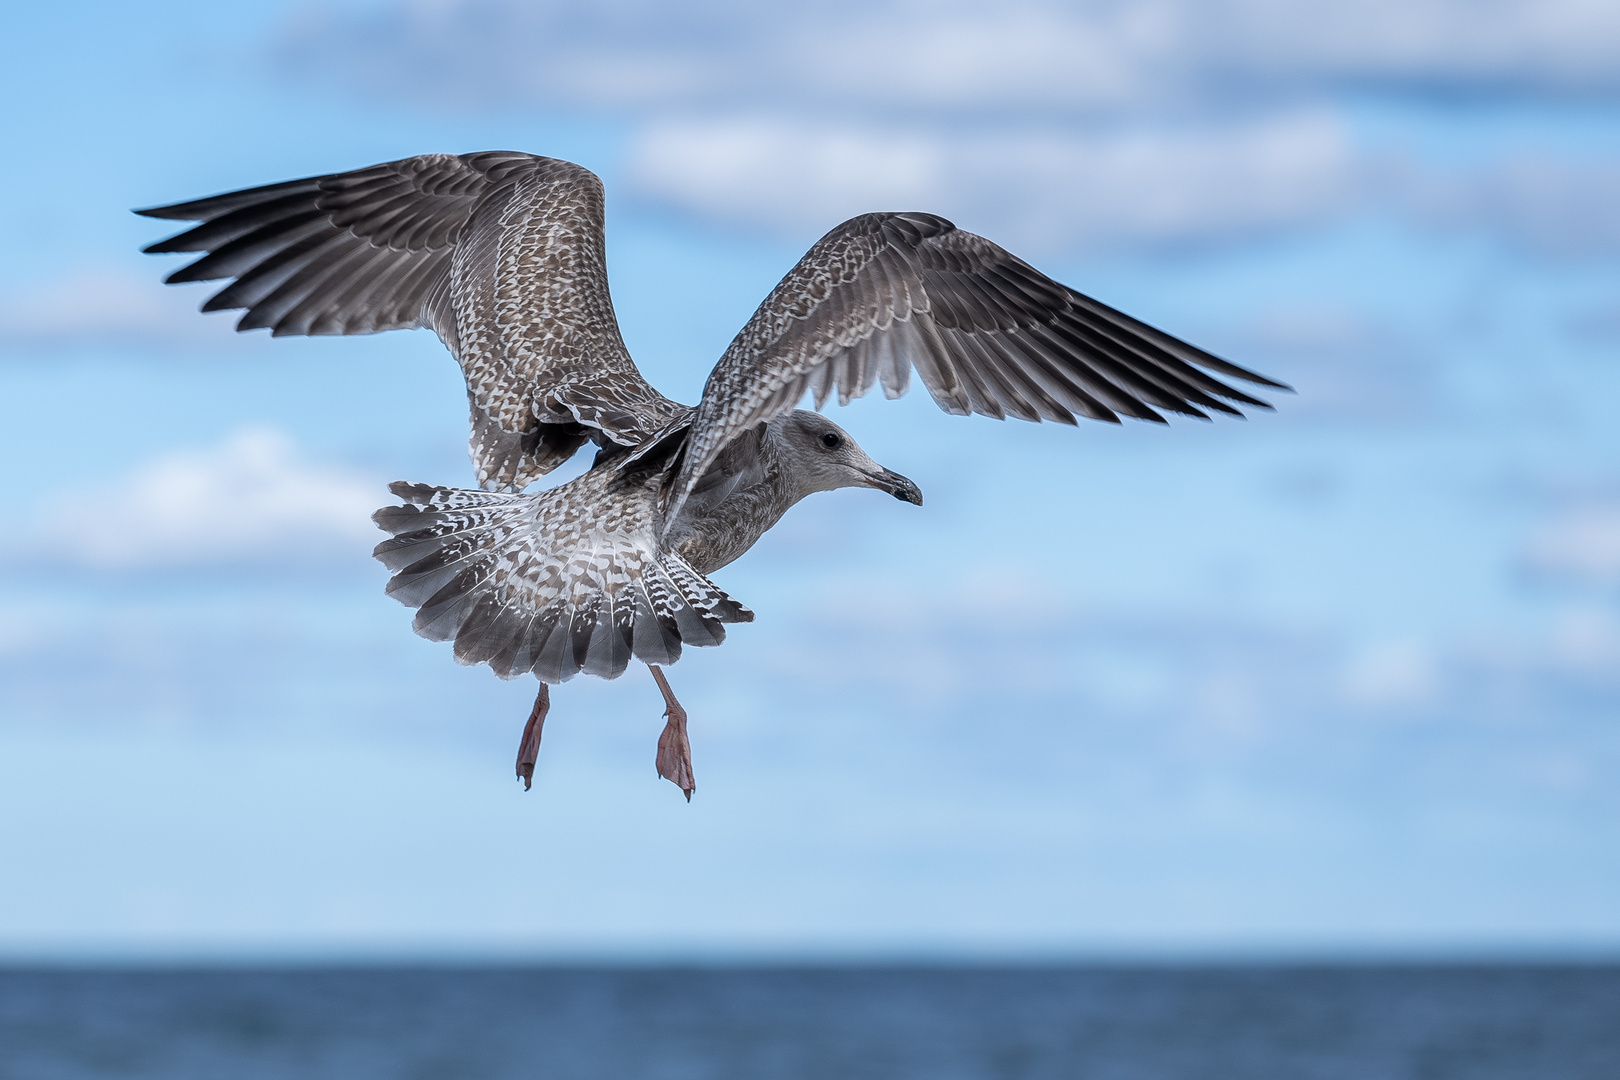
<point>503,255</point>
<point>557,582</point>
<point>884,294</point>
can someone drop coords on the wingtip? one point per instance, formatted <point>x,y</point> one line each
<point>175,212</point>
<point>1256,378</point>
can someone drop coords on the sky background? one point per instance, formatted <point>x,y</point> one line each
<point>1343,679</point>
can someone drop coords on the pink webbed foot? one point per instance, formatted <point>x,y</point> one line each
<point>674,749</point>
<point>529,748</point>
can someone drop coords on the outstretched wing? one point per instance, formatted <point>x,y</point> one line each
<point>885,293</point>
<point>500,253</point>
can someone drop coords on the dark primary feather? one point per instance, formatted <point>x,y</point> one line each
<point>883,294</point>
<point>291,238</point>
<point>501,253</point>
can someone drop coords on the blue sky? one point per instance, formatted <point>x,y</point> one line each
<point>1340,679</point>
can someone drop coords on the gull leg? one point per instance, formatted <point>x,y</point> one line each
<point>674,751</point>
<point>529,748</point>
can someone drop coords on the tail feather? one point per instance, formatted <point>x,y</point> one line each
<point>553,583</point>
<point>655,639</point>
<point>517,653</point>
<point>489,628</point>
<point>431,567</point>
<point>613,640</point>
<point>441,617</point>
<point>691,618</point>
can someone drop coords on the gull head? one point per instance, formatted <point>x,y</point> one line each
<point>821,457</point>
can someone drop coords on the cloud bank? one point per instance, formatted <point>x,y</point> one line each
<point>905,55</point>
<point>1580,546</point>
<point>1057,127</point>
<point>100,306</point>
<point>1036,187</point>
<point>250,498</point>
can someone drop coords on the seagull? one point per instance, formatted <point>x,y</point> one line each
<point>502,254</point>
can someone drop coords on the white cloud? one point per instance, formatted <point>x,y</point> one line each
<point>1557,206</point>
<point>1559,45</point>
<point>250,497</point>
<point>1229,702</point>
<point>1587,640</point>
<point>1058,187</point>
<point>1049,188</point>
<point>991,55</point>
<point>1582,545</point>
<point>776,173</point>
<point>1391,673</point>
<point>906,54</point>
<point>100,306</point>
<point>1056,124</point>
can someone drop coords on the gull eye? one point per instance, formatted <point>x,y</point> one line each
<point>831,440</point>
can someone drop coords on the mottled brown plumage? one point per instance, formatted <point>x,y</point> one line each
<point>502,255</point>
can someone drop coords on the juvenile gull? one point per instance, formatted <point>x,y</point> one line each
<point>502,255</point>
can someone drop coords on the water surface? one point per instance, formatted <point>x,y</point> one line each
<point>938,1023</point>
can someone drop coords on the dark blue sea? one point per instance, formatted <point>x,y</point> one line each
<point>938,1023</point>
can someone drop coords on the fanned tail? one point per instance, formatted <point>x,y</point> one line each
<point>556,582</point>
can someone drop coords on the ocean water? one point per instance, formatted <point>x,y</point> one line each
<point>939,1023</point>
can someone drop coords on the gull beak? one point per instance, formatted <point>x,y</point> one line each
<point>896,485</point>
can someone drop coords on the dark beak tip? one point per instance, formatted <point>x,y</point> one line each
<point>898,486</point>
<point>906,491</point>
